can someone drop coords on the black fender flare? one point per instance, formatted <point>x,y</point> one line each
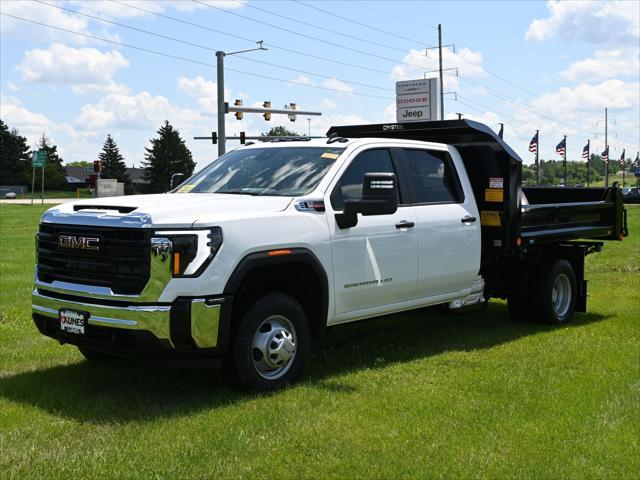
<point>296,255</point>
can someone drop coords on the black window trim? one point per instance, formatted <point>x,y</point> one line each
<point>396,161</point>
<point>459,193</point>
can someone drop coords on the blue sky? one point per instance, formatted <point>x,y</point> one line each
<point>552,66</point>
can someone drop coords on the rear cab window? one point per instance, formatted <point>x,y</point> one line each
<point>431,176</point>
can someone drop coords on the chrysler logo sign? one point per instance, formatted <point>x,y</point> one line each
<point>80,243</point>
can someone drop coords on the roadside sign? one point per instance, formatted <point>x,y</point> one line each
<point>416,100</point>
<point>38,159</point>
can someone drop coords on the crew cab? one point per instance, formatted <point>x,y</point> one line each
<point>247,262</point>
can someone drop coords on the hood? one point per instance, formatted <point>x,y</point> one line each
<point>171,210</point>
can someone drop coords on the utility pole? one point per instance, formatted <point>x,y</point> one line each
<point>309,120</point>
<point>606,145</point>
<point>441,84</point>
<point>222,106</point>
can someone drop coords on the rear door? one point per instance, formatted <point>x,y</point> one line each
<point>374,263</point>
<point>447,220</point>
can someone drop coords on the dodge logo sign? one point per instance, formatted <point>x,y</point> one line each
<point>81,243</point>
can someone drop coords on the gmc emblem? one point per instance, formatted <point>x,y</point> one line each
<point>80,243</point>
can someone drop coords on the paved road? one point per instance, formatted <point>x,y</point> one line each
<point>36,201</point>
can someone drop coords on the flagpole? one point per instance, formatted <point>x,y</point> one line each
<point>622,161</point>
<point>588,159</point>
<point>564,161</point>
<point>537,153</point>
<point>606,147</point>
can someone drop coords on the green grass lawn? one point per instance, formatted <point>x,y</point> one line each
<point>81,193</point>
<point>421,394</point>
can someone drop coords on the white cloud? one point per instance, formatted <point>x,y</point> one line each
<point>82,69</point>
<point>40,13</point>
<point>612,22</point>
<point>605,64</point>
<point>614,94</point>
<point>328,103</point>
<point>416,63</point>
<point>303,79</point>
<point>337,85</point>
<point>139,111</point>
<point>204,91</point>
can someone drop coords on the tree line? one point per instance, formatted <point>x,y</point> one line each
<point>168,154</point>
<point>552,171</point>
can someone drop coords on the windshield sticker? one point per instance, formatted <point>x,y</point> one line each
<point>186,188</point>
<point>329,155</point>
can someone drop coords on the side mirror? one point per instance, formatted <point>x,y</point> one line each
<point>176,179</point>
<point>379,197</point>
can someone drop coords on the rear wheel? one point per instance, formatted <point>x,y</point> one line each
<point>555,299</point>
<point>272,344</point>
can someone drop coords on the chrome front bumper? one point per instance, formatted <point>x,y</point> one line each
<point>187,324</point>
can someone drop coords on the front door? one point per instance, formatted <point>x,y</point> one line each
<point>375,262</point>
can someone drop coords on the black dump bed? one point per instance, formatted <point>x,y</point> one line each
<point>510,220</point>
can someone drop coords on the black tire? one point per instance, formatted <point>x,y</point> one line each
<point>95,356</point>
<point>274,314</point>
<point>550,307</point>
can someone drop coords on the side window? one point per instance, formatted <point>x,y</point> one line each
<point>350,184</point>
<point>432,177</point>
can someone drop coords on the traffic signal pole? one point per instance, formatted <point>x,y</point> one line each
<point>221,104</point>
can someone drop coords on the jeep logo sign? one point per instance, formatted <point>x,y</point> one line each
<point>80,243</point>
<point>416,100</point>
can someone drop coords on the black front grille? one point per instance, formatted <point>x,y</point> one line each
<point>122,263</point>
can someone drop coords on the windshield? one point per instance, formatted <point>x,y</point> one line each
<point>287,171</point>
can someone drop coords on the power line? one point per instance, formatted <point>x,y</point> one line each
<point>304,35</point>
<point>204,47</point>
<point>176,57</point>
<point>251,40</point>
<point>335,32</point>
<point>351,20</point>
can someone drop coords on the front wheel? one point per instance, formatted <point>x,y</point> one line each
<point>272,344</point>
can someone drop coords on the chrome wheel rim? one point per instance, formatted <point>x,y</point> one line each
<point>561,295</point>
<point>274,347</point>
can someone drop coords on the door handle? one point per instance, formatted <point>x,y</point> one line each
<point>405,224</point>
<point>468,219</point>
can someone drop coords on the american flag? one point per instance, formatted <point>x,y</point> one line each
<point>605,155</point>
<point>561,148</point>
<point>533,145</point>
<point>622,159</point>
<point>585,152</point>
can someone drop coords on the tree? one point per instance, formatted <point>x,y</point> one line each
<point>80,163</point>
<point>113,165</point>
<point>168,155</point>
<point>279,131</point>
<point>14,156</point>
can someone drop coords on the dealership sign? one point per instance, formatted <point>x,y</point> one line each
<point>416,100</point>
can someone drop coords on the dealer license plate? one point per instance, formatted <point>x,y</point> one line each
<point>73,322</point>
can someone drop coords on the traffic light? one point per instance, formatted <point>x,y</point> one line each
<point>97,166</point>
<point>267,115</point>
<point>292,116</point>
<point>238,103</point>
<point>243,138</point>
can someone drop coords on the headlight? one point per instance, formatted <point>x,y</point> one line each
<point>192,250</point>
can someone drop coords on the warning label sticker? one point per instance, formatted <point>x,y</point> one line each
<point>490,218</point>
<point>493,195</point>
<point>496,182</point>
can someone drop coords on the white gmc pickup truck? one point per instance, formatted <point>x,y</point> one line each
<point>252,258</point>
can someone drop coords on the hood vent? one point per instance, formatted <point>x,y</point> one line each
<point>104,207</point>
